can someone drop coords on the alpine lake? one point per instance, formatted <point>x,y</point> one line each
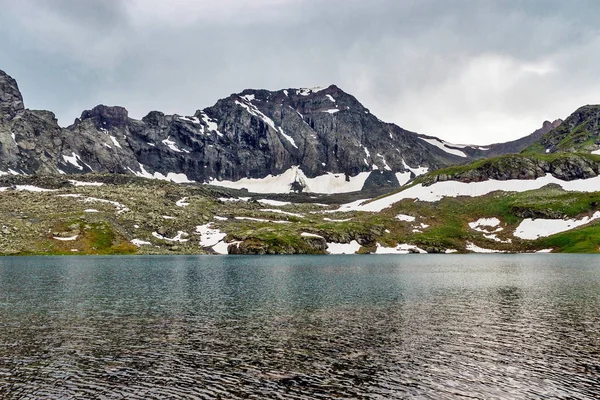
<point>300,327</point>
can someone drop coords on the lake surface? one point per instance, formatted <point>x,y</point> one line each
<point>300,327</point>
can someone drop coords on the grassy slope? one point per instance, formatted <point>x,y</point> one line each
<point>578,133</point>
<point>31,220</point>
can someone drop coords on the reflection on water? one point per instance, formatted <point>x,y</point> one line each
<point>379,327</point>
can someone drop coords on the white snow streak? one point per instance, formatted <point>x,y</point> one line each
<point>66,239</point>
<point>476,249</point>
<point>140,243</point>
<point>115,142</point>
<point>439,190</point>
<point>400,249</point>
<point>171,176</point>
<point>440,144</point>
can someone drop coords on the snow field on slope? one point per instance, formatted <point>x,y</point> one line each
<point>439,190</point>
<point>329,183</point>
<point>531,229</point>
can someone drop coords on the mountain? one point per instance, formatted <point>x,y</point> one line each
<point>580,132</point>
<point>320,140</point>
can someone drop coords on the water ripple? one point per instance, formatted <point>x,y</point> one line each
<point>174,328</point>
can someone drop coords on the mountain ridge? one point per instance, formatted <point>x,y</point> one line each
<point>325,133</point>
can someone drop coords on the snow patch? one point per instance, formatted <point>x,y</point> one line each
<point>274,203</point>
<point>403,177</point>
<point>79,183</point>
<point>337,220</point>
<point>400,249</point>
<point>329,183</point>
<point>91,210</point>
<point>476,249</point>
<point>120,207</point>
<point>74,160</point>
<point>176,238</point>
<point>273,210</point>
<point>30,188</point>
<point>332,111</point>
<point>182,202</point>
<point>343,248</point>
<point>531,229</point>
<point>193,120</point>
<point>115,142</point>
<point>212,124</point>
<point>417,171</point>
<point>486,225</point>
<point>440,144</point>
<point>495,238</point>
<point>310,235</point>
<point>385,164</point>
<point>209,236</point>
<point>140,243</point>
<point>405,218</point>
<point>171,176</point>
<point>171,145</point>
<point>66,239</point>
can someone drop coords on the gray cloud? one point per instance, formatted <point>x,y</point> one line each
<point>464,70</point>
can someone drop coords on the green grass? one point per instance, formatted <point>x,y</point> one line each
<point>582,240</point>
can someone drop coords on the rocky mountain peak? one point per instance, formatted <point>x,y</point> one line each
<point>329,99</point>
<point>107,117</point>
<point>11,100</point>
<point>547,125</point>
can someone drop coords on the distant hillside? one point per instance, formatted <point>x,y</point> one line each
<point>580,132</point>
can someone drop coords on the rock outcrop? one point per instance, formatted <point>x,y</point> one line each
<point>565,166</point>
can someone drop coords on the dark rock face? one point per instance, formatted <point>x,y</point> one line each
<point>11,101</point>
<point>252,134</point>
<point>107,117</point>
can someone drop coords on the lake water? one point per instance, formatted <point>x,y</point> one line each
<point>300,327</point>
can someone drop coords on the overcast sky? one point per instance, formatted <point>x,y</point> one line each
<point>468,71</point>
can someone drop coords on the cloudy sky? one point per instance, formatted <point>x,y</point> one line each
<point>468,71</point>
